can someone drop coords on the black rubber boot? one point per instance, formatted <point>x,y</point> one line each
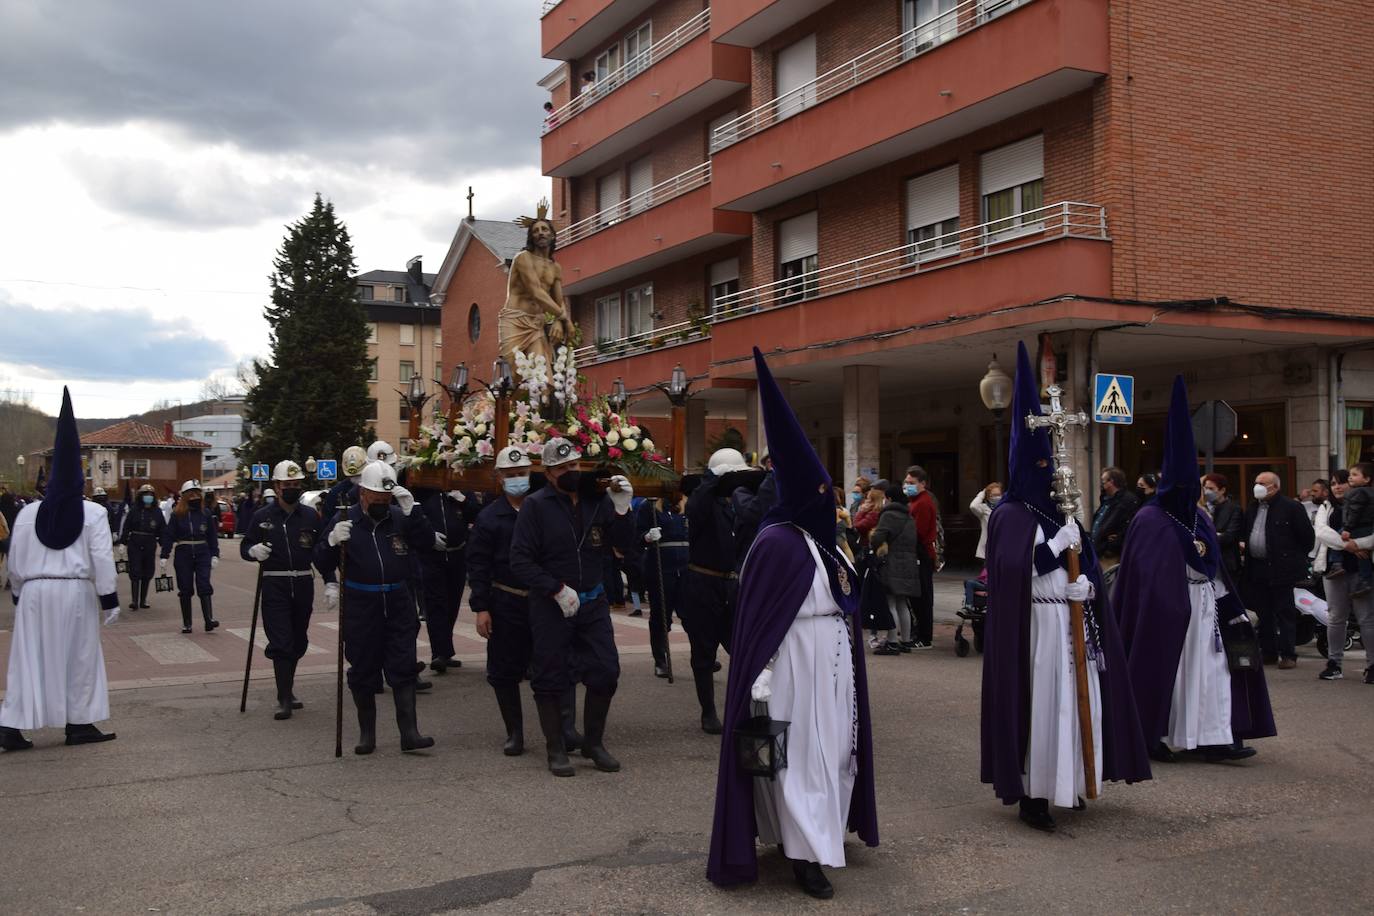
<point>208,613</point>
<point>281,669</point>
<point>1035,812</point>
<point>133,594</point>
<point>143,593</point>
<point>551,722</point>
<point>366,703</point>
<point>812,879</point>
<point>291,688</point>
<point>706,696</point>
<point>572,741</point>
<point>594,722</point>
<point>185,613</point>
<point>12,739</point>
<point>411,739</point>
<point>508,699</point>
<point>87,734</point>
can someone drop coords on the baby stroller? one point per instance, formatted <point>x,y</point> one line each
<point>1315,608</point>
<point>973,613</point>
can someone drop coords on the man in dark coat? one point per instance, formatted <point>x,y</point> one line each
<point>1277,540</point>
<point>1175,604</point>
<point>1115,510</point>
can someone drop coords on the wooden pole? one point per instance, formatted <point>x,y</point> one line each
<point>1080,676</point>
<point>501,434</point>
<point>679,438</point>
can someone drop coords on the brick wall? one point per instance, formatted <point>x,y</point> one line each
<point>665,16</point>
<point>843,31</point>
<point>481,281</point>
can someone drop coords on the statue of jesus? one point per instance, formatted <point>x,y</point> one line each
<point>534,292</point>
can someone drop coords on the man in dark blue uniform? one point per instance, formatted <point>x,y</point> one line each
<point>282,539</point>
<point>345,492</point>
<point>378,616</point>
<point>562,536</point>
<point>194,533</point>
<point>140,534</point>
<point>443,572</point>
<point>662,524</point>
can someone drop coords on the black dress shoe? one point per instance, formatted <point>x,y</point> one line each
<point>438,665</point>
<point>144,607</point>
<point>1223,753</point>
<point>637,612</point>
<point>211,624</point>
<point>186,629</point>
<point>710,723</point>
<point>1161,753</point>
<point>422,686</point>
<point>716,667</point>
<point>87,734</point>
<point>812,880</point>
<point>295,703</point>
<point>12,739</point>
<point>660,671</point>
<point>1035,812</point>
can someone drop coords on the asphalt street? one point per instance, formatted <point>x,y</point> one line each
<point>197,808</point>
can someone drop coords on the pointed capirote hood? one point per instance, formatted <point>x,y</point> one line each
<point>61,514</point>
<point>805,497</point>
<point>1030,458</point>
<point>1179,485</point>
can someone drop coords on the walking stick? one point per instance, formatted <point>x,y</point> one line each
<point>338,685</point>
<point>252,637</point>
<point>663,600</point>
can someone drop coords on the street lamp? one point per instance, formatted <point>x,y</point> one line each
<point>995,390</point>
<point>678,385</point>
<point>678,391</point>
<point>501,379</point>
<point>502,384</point>
<point>23,478</point>
<point>457,389</point>
<point>415,397</point>
<point>310,465</point>
<point>619,398</point>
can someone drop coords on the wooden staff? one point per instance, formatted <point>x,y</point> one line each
<point>1080,676</point>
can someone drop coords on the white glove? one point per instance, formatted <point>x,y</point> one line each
<point>621,493</point>
<point>1079,590</point>
<point>653,535</point>
<point>162,565</point>
<point>331,596</point>
<point>457,496</point>
<point>112,616</point>
<point>1066,538</point>
<point>568,601</point>
<point>404,498</point>
<point>440,542</point>
<point>340,533</point>
<point>214,562</point>
<point>762,691</point>
<point>260,552</point>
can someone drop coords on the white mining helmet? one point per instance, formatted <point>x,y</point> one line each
<point>382,451</point>
<point>378,477</point>
<point>354,459</point>
<point>510,458</point>
<point>288,470</point>
<point>190,485</point>
<point>725,460</point>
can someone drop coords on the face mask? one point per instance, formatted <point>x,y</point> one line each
<point>569,481</point>
<point>994,501</point>
<point>516,486</point>
<point>910,489</point>
<point>270,500</point>
<point>1211,496</point>
<point>147,500</point>
<point>193,503</point>
<point>1142,493</point>
<point>1261,491</point>
<point>290,497</point>
<point>102,499</point>
<point>378,511</point>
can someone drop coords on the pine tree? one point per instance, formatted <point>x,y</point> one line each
<point>311,396</point>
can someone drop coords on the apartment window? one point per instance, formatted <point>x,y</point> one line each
<point>795,77</point>
<point>372,375</point>
<point>408,334</point>
<point>608,198</point>
<point>637,45</point>
<point>797,259</point>
<point>438,337</point>
<point>364,292</point>
<point>1359,432</point>
<point>133,467</point>
<point>608,318</point>
<point>400,294</point>
<point>372,409</point>
<point>606,63</point>
<point>1012,181</point>
<point>932,207</point>
<point>726,137</point>
<point>439,372</point>
<point>639,310</point>
<point>372,332</point>
<point>641,182</point>
<point>933,21</point>
<point>723,277</point>
<point>407,370</point>
<point>405,409</point>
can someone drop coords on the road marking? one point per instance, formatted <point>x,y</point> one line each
<point>172,650</point>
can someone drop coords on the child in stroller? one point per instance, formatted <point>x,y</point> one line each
<point>972,613</point>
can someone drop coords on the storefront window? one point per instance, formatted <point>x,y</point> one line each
<point>1359,433</point>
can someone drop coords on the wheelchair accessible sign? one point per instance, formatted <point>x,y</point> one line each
<point>326,469</point>
<point>1114,397</point>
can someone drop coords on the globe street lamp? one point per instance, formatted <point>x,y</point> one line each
<point>23,478</point>
<point>502,385</point>
<point>995,390</point>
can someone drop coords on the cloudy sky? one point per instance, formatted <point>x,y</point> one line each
<point>154,151</point>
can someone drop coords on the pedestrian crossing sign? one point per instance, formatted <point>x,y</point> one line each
<point>1114,397</point>
<point>260,472</point>
<point>326,469</point>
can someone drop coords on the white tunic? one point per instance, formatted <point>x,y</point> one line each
<point>57,670</point>
<point>807,807</point>
<point>1200,713</point>
<point>1054,754</point>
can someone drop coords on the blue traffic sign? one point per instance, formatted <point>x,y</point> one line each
<point>260,472</point>
<point>326,469</point>
<point>1114,399</point>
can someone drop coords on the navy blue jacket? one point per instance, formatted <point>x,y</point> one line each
<point>557,543</point>
<point>143,519</point>
<point>378,553</point>
<point>451,519</point>
<point>656,513</point>
<point>196,525</point>
<point>343,493</point>
<point>489,544</point>
<point>711,520</point>
<point>292,536</point>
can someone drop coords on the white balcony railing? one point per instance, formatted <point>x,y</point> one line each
<point>595,92</point>
<point>695,177</point>
<point>875,62</point>
<point>1056,221</point>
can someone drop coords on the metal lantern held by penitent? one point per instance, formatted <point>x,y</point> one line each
<point>163,583</point>
<point>761,746</point>
<point>121,566</point>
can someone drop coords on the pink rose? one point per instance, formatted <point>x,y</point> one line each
<point>613,452</point>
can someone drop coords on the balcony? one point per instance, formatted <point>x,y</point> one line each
<point>668,222</point>
<point>680,75</point>
<point>570,29</point>
<point>1034,256</point>
<point>978,64</point>
<point>749,23</point>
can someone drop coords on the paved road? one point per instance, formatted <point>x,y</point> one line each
<point>198,809</point>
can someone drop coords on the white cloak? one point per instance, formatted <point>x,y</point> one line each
<point>806,807</point>
<point>57,669</point>
<point>1200,713</point>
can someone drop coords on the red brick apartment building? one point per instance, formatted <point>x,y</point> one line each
<point>883,194</point>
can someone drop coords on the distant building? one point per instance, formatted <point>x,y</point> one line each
<point>404,339</point>
<point>137,453</point>
<point>224,432</point>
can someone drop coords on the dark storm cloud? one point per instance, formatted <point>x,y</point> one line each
<point>430,87</point>
<point>112,345</point>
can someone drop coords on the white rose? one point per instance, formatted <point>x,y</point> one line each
<point>480,429</point>
<point>465,444</point>
<point>594,449</point>
<point>629,445</point>
<point>633,430</point>
<point>648,445</point>
<point>612,437</point>
<point>574,427</point>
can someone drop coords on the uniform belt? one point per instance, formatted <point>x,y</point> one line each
<point>673,544</point>
<point>191,544</point>
<point>286,572</point>
<point>383,587</point>
<point>592,595</point>
<point>511,589</point>
<point>712,572</point>
<point>145,534</point>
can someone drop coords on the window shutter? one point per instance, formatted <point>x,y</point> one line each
<point>797,237</point>
<point>796,68</point>
<point>724,271</point>
<point>641,179</point>
<point>1013,165</point>
<point>608,191</point>
<point>932,198</point>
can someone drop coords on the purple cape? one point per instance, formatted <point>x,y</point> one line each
<point>777,579</point>
<point>1006,664</point>
<point>1152,611</point>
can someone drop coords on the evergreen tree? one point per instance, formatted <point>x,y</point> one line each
<point>311,395</point>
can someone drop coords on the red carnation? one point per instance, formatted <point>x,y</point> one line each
<point>613,452</point>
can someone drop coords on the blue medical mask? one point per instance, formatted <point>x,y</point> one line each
<point>147,500</point>
<point>515,486</point>
<point>993,501</point>
<point>910,489</point>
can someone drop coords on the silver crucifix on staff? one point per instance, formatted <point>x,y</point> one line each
<point>1067,495</point>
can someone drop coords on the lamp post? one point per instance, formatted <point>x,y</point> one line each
<point>310,465</point>
<point>995,390</point>
<point>502,384</point>
<point>23,477</point>
<point>678,390</point>
<point>619,397</point>
<point>416,398</point>
<point>457,389</point>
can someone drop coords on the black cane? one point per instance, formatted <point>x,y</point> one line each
<point>252,637</point>
<point>338,687</point>
<point>663,600</point>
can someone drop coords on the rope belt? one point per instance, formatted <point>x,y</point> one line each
<point>1049,601</point>
<point>673,544</point>
<point>286,572</point>
<point>384,587</point>
<point>511,590</point>
<point>67,578</point>
<point>1197,581</point>
<point>712,572</point>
